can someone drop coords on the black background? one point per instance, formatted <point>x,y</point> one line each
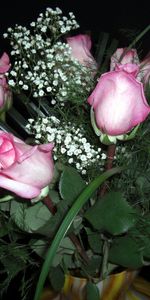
<point>92,15</point>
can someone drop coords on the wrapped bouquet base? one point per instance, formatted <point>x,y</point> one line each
<point>115,287</point>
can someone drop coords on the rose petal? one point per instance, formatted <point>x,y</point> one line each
<point>19,188</point>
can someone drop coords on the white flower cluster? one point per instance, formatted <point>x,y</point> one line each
<point>43,65</point>
<point>70,143</point>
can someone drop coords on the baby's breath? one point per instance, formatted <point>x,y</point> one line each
<point>43,62</point>
<point>71,145</point>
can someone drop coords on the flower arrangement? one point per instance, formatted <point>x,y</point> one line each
<point>75,187</point>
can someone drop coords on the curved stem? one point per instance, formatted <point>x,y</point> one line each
<point>65,225</point>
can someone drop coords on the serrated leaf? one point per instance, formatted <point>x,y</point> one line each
<point>71,185</point>
<point>29,218</point>
<point>92,291</point>
<point>125,251</point>
<point>112,214</point>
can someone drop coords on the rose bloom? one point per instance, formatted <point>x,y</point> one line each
<point>130,57</point>
<point>4,63</point>
<point>24,169</point>
<point>80,46</point>
<point>118,101</point>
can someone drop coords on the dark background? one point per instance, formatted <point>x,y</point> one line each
<point>92,15</point>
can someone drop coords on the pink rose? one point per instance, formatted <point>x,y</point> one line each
<point>81,45</point>
<point>119,102</point>
<point>130,57</point>
<point>24,169</point>
<point>5,93</point>
<point>4,63</point>
<point>145,70</point>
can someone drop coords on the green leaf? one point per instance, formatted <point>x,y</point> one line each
<point>95,242</point>
<point>29,218</point>
<point>54,196</point>
<point>92,291</point>
<point>4,230</point>
<point>91,269</point>
<point>57,259</point>
<point>51,225</point>
<point>6,198</point>
<point>5,206</point>
<point>68,262</point>
<point>65,225</point>
<point>125,251</point>
<point>57,278</point>
<point>112,214</point>
<point>71,185</point>
<point>67,246</point>
<point>39,246</point>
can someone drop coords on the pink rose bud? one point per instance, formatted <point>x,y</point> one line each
<point>24,170</point>
<point>4,63</point>
<point>119,103</point>
<point>145,70</point>
<point>80,46</point>
<point>130,57</point>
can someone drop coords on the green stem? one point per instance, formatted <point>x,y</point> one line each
<point>3,116</point>
<point>65,225</point>
<point>135,41</point>
<point>104,267</point>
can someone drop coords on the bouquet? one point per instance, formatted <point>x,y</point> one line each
<point>74,156</point>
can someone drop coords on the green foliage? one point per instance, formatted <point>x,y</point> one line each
<point>71,185</point>
<point>57,278</point>
<point>29,218</point>
<point>125,251</point>
<point>92,291</point>
<point>14,258</point>
<point>92,267</point>
<point>111,214</point>
<point>94,240</point>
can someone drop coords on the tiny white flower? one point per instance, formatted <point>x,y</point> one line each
<point>104,156</point>
<point>53,101</point>
<point>41,93</point>
<point>25,87</point>
<point>49,89</point>
<point>11,82</point>
<point>63,150</point>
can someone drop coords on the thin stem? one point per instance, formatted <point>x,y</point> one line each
<point>104,266</point>
<point>109,163</point>
<point>49,204</point>
<point>79,247</point>
<point>52,208</point>
<point>3,116</point>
